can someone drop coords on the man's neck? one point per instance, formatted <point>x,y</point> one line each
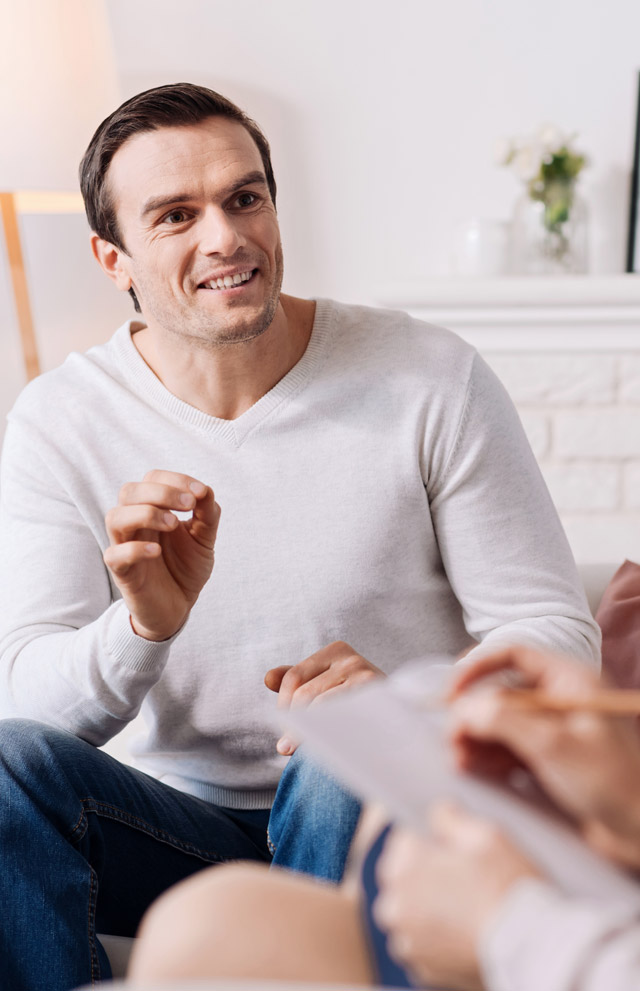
<point>226,381</point>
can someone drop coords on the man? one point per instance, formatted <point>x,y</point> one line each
<point>375,487</point>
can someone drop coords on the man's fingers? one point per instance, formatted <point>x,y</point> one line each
<point>312,693</point>
<point>334,668</point>
<point>203,526</point>
<point>330,683</point>
<point>340,662</point>
<point>147,505</point>
<point>299,674</point>
<point>124,522</point>
<point>175,479</point>
<point>121,558</point>
<point>154,494</point>
<point>286,746</point>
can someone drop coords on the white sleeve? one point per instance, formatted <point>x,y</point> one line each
<point>68,654</point>
<point>502,544</point>
<point>542,939</point>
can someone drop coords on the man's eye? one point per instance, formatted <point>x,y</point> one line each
<point>176,217</point>
<point>246,199</point>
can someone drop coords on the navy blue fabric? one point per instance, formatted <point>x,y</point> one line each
<point>389,973</point>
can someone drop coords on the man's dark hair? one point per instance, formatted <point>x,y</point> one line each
<point>175,105</point>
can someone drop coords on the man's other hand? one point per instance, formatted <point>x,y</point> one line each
<point>330,670</point>
<point>159,563</point>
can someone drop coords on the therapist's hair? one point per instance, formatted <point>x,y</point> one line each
<point>174,105</point>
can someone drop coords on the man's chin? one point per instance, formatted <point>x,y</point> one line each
<point>243,329</point>
<point>237,335</point>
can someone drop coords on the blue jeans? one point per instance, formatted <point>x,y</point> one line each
<point>87,843</point>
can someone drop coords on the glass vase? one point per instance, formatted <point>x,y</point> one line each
<point>550,237</point>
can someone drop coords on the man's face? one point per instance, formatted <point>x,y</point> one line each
<point>193,208</point>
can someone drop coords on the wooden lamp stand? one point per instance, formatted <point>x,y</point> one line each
<point>19,284</point>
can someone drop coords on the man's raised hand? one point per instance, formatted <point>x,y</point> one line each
<point>159,563</point>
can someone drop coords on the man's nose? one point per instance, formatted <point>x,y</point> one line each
<point>219,233</point>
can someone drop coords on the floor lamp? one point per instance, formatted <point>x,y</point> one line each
<point>57,82</point>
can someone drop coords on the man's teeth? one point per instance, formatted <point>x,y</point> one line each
<point>229,280</point>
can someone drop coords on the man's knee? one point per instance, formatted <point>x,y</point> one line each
<point>312,820</point>
<point>37,763</point>
<point>308,790</point>
<point>29,740</point>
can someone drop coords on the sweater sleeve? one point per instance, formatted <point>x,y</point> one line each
<point>542,939</point>
<point>502,544</point>
<point>68,653</point>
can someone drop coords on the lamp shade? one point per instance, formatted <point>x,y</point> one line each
<point>57,82</point>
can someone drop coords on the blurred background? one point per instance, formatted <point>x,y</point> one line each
<point>383,120</point>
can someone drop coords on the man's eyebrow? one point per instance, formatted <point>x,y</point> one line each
<point>158,202</point>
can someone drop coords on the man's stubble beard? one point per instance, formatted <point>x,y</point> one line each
<point>211,336</point>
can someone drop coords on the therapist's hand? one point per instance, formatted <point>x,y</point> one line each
<point>587,762</point>
<point>332,669</point>
<point>439,892</point>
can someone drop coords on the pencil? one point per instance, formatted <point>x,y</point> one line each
<point>609,701</point>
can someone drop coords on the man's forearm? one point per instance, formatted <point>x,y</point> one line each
<point>90,681</point>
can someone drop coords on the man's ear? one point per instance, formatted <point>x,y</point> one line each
<point>112,260</point>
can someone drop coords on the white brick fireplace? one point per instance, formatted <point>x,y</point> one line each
<point>568,352</point>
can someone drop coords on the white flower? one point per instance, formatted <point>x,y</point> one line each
<point>526,161</point>
<point>550,138</point>
<point>528,156</point>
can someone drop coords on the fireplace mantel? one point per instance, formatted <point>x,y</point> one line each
<point>564,313</point>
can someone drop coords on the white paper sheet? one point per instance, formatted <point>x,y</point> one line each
<point>387,749</point>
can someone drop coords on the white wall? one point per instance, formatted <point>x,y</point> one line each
<point>581,412</point>
<point>382,119</point>
<point>383,116</point>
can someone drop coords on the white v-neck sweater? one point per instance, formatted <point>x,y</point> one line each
<point>382,493</point>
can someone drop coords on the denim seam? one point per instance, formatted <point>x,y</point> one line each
<point>91,924</point>
<point>270,844</point>
<point>82,822</point>
<point>135,822</point>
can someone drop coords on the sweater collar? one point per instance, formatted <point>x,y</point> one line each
<point>149,387</point>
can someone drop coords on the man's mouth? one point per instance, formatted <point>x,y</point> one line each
<point>229,281</point>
